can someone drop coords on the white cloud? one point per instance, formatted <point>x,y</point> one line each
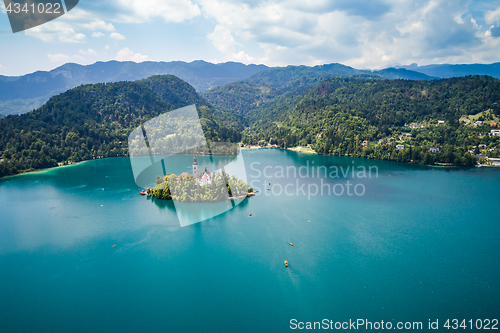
<point>2,69</point>
<point>126,54</point>
<point>242,57</point>
<point>106,47</point>
<point>64,58</point>
<point>492,16</point>
<point>137,11</point>
<point>99,25</point>
<point>224,41</point>
<point>363,34</point>
<point>368,34</point>
<point>89,52</point>
<point>56,32</point>
<point>117,35</point>
<point>59,57</point>
<point>68,28</point>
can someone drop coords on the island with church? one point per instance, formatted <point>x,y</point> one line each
<point>205,187</point>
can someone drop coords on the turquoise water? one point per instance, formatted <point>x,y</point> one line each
<point>421,243</point>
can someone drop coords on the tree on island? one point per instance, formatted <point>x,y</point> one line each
<point>187,189</point>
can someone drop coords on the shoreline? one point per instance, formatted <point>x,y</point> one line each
<point>56,167</point>
<point>305,150</point>
<point>297,150</point>
<point>44,170</point>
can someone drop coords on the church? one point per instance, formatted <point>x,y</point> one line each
<point>205,177</point>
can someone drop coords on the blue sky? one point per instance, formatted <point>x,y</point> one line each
<point>363,34</point>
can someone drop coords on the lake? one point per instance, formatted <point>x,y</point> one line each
<point>404,243</point>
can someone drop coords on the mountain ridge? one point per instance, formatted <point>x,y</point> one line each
<point>456,70</point>
<point>21,94</point>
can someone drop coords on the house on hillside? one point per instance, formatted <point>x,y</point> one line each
<point>482,146</point>
<point>493,124</point>
<point>440,122</point>
<point>495,132</point>
<point>400,147</point>
<point>478,123</point>
<point>467,122</point>
<point>365,143</point>
<point>434,150</point>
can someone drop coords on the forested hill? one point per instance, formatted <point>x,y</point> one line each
<point>337,115</point>
<point>267,94</point>
<point>95,120</point>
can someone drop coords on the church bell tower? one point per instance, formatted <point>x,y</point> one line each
<point>196,173</point>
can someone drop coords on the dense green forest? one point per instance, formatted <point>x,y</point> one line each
<point>338,115</point>
<point>93,121</point>
<point>269,94</point>
<point>360,116</point>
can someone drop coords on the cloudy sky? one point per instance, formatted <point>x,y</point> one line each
<point>363,34</point>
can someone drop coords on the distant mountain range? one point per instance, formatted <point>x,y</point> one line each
<point>446,70</point>
<point>21,94</point>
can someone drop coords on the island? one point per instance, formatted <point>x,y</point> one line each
<point>205,187</point>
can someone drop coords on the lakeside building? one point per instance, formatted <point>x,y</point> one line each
<point>204,178</point>
<point>196,174</point>
<point>185,175</point>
